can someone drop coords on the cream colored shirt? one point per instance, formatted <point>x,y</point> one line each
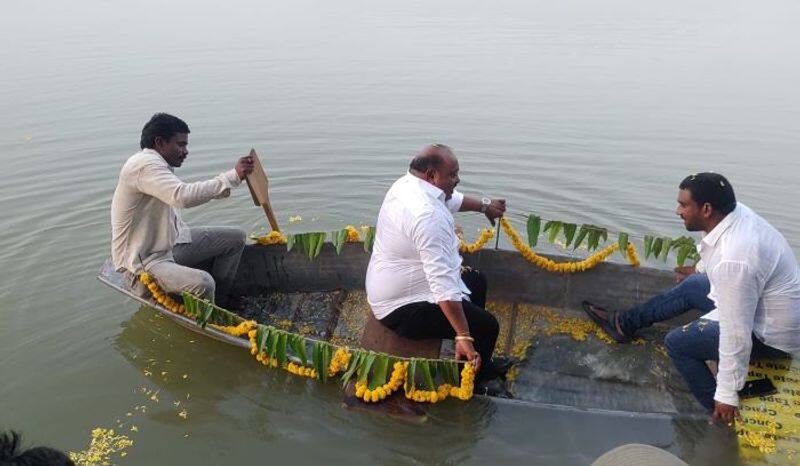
<point>145,220</point>
<point>755,285</point>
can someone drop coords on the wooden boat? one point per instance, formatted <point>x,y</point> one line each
<point>566,362</point>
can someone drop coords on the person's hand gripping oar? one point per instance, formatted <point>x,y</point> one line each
<point>259,188</point>
<point>494,211</point>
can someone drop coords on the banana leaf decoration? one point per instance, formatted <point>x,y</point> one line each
<point>581,235</point>
<point>666,244</point>
<point>595,234</point>
<point>427,377</point>
<point>534,225</point>
<point>355,362</point>
<point>280,352</point>
<point>369,238</point>
<point>648,245</point>
<point>411,375</point>
<point>622,240</point>
<point>298,346</point>
<point>338,238</point>
<point>569,233</point>
<point>658,243</point>
<point>553,227</point>
<point>686,249</point>
<point>310,243</point>
<point>205,314</point>
<point>379,372</point>
<point>366,365</point>
<point>262,334</point>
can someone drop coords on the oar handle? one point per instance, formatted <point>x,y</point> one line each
<point>497,239</point>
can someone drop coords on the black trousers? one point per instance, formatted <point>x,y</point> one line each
<point>422,320</point>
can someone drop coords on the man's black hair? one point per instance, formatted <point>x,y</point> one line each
<point>161,125</point>
<point>712,188</point>
<point>11,454</point>
<point>430,157</point>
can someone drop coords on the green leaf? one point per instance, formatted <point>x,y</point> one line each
<point>381,367</point>
<point>569,233</point>
<point>280,353</point>
<point>425,368</point>
<point>658,243</point>
<point>298,345</point>
<point>534,226</point>
<point>648,245</point>
<point>667,243</point>
<point>581,235</point>
<point>290,238</point>
<point>327,354</point>
<point>316,358</point>
<point>203,317</point>
<point>553,227</point>
<point>411,373</point>
<point>622,240</point>
<point>339,238</point>
<point>456,372</point>
<point>355,362</point>
<point>262,332</point>
<point>683,253</point>
<point>312,245</point>
<point>604,234</point>
<point>190,303</point>
<point>444,369</point>
<point>369,238</point>
<point>594,239</point>
<point>363,372</point>
<point>320,242</point>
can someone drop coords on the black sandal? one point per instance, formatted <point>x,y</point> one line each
<point>607,325</point>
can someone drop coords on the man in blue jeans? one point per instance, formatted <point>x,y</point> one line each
<point>748,283</point>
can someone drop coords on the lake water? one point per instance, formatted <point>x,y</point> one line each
<point>582,111</point>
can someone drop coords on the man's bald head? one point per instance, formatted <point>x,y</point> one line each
<point>437,164</point>
<point>431,157</point>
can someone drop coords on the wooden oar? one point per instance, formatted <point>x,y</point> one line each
<point>497,240</point>
<point>259,189</point>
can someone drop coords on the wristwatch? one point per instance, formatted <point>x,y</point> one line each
<point>485,203</point>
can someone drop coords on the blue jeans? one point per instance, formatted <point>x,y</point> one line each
<point>692,345</point>
<point>691,293</point>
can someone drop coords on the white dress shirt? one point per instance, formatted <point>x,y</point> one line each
<point>145,220</point>
<point>415,255</point>
<point>755,286</point>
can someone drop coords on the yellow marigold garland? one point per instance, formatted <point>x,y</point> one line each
<point>565,267</point>
<point>159,295</point>
<point>274,237</point>
<point>379,393</point>
<point>339,362</point>
<point>352,234</point>
<point>633,257</point>
<point>236,330</point>
<point>485,236</point>
<point>463,392</point>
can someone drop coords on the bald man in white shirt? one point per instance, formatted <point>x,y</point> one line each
<point>147,232</point>
<point>748,283</point>
<point>414,282</point>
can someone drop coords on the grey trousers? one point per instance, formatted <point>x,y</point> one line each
<point>222,244</point>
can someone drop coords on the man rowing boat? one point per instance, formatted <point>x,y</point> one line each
<point>415,283</point>
<point>147,232</point>
<point>748,283</point>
